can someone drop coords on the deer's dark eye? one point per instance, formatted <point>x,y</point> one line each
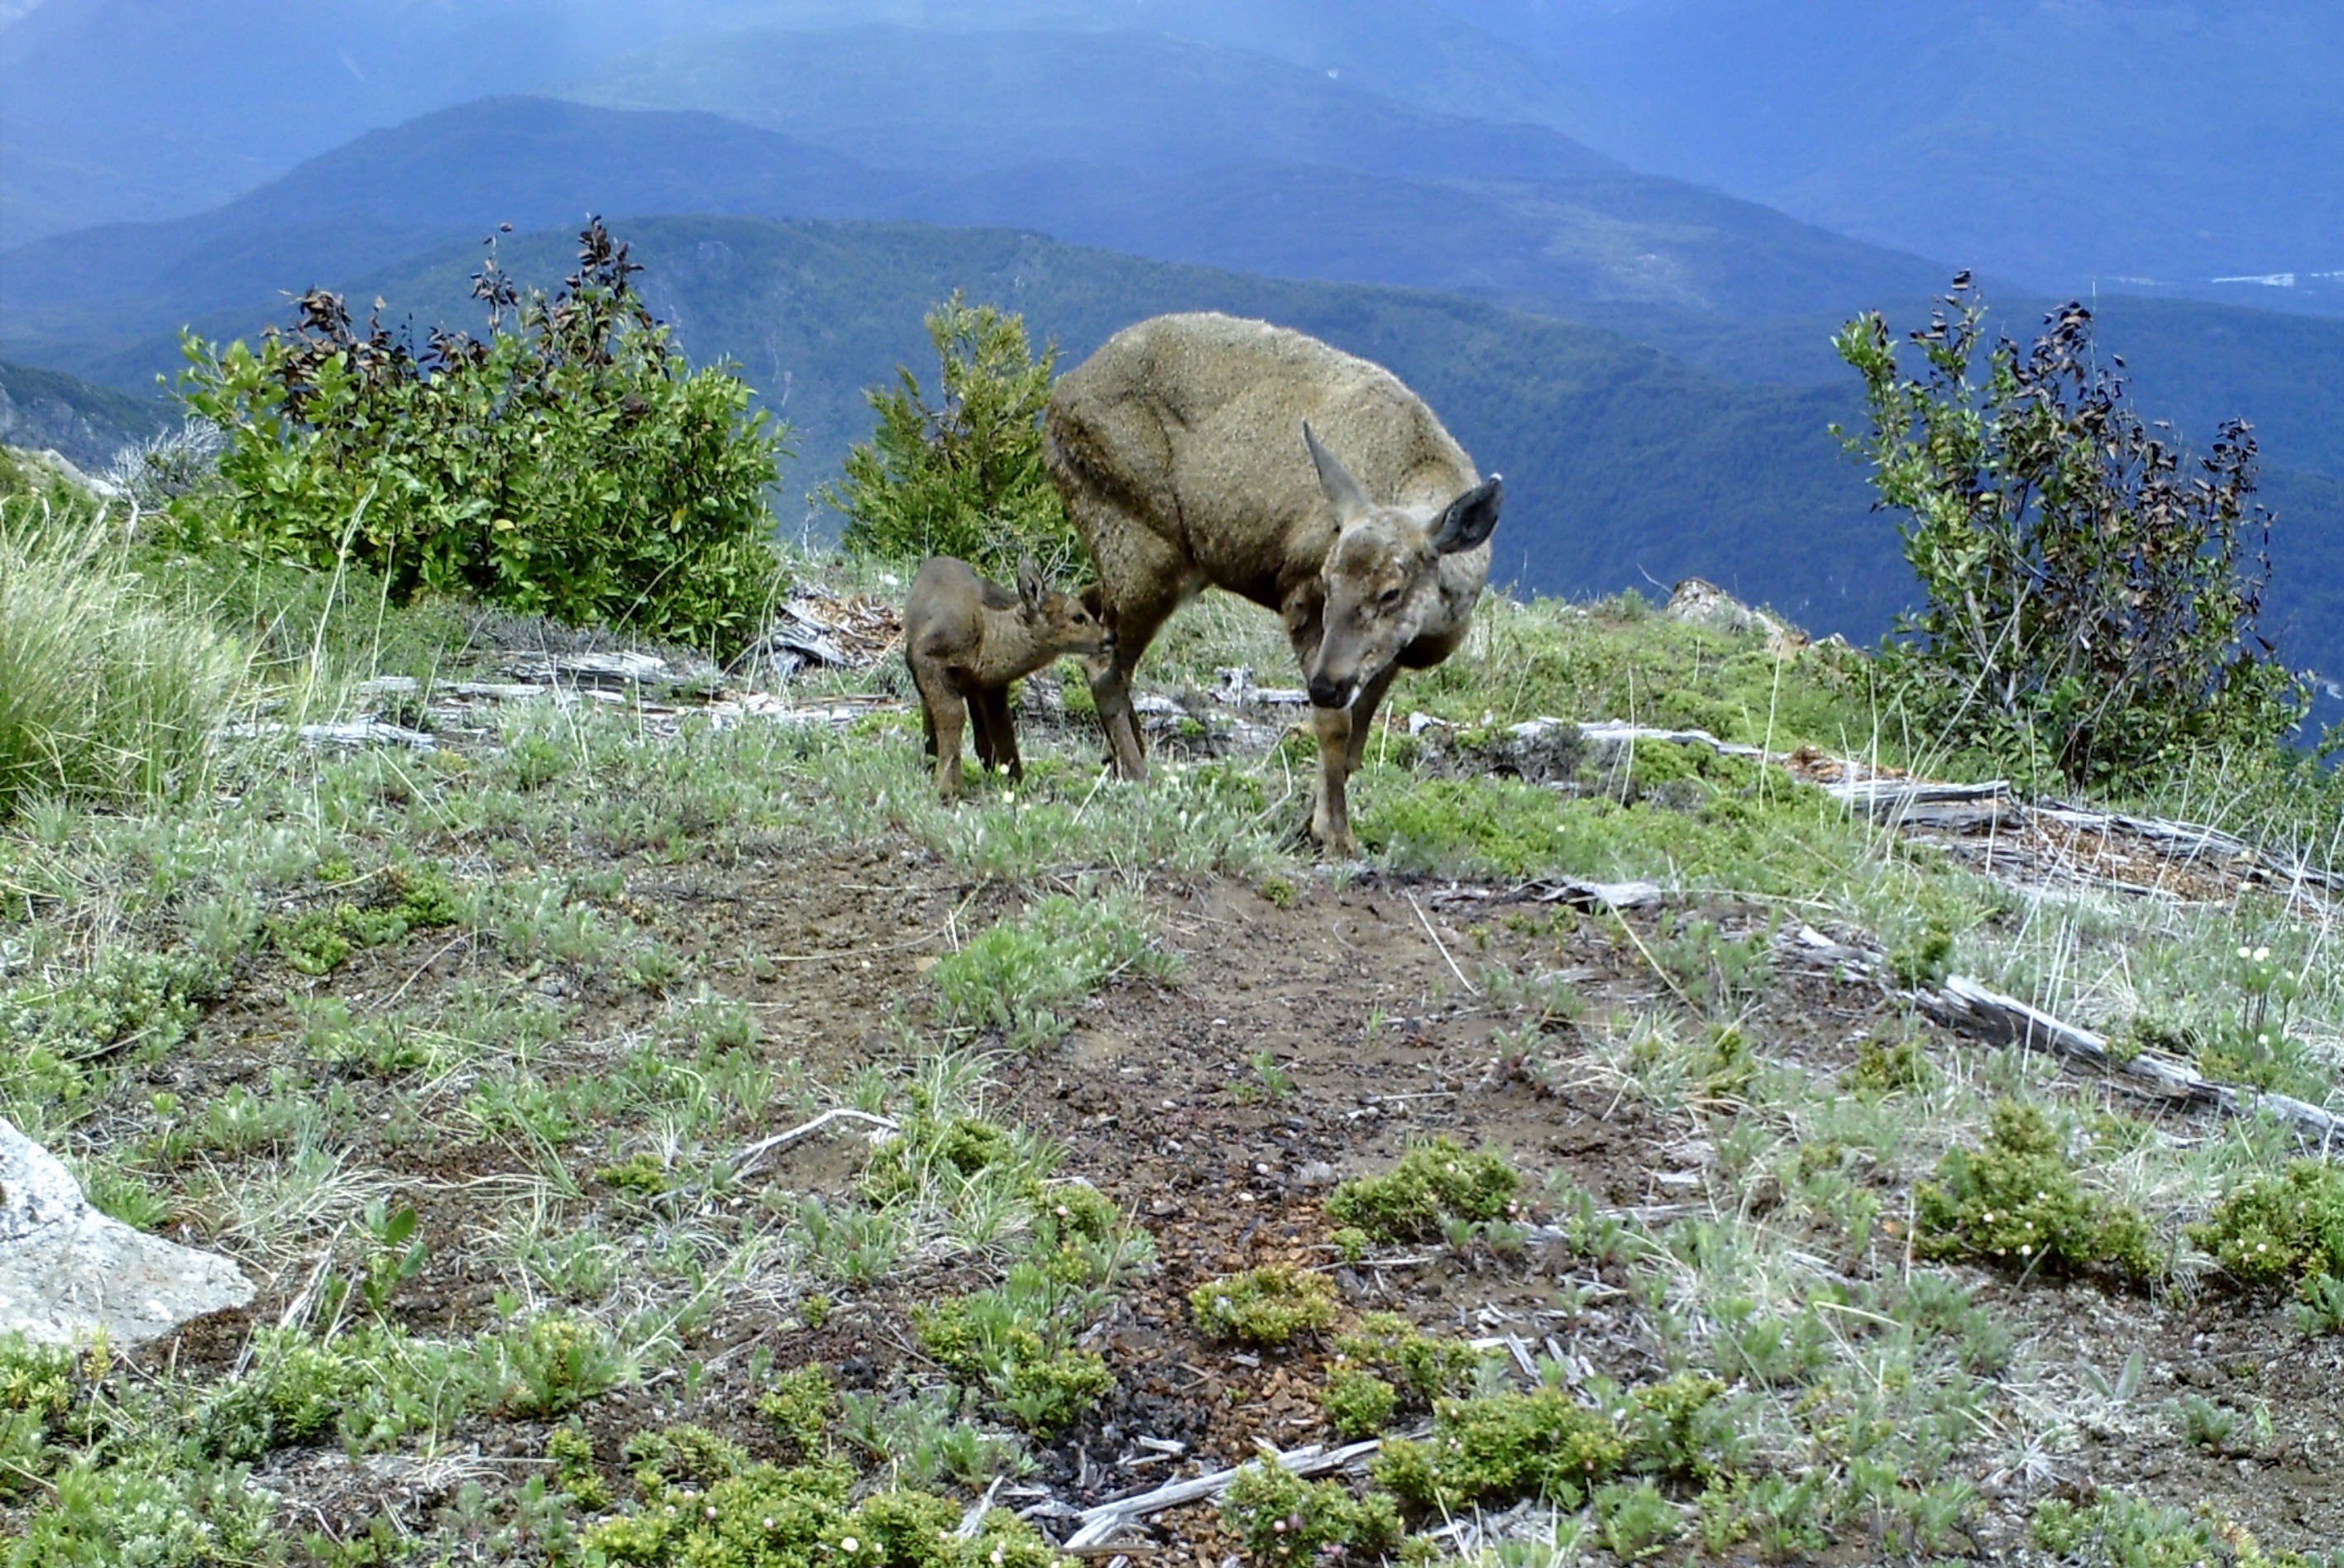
<point>1389,597</point>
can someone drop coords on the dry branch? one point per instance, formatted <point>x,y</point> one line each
<point>1101,1522</point>
<point>746,1162</point>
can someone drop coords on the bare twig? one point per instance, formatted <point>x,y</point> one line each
<point>1441,946</point>
<point>746,1162</point>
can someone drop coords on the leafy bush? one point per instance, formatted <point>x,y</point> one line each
<point>573,467</point>
<point>1542,1444</point>
<point>760,1517</point>
<point>1017,973</point>
<point>963,476</point>
<point>2091,601</point>
<point>1016,1342</point>
<point>1285,1521</point>
<point>106,692</point>
<point>1433,1182</point>
<point>2282,1229</point>
<point>1427,1365</point>
<point>2015,1203</point>
<point>1357,1403</point>
<point>1265,1306</point>
<point>2114,1531</point>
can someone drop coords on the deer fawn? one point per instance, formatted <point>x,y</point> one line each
<point>966,639</point>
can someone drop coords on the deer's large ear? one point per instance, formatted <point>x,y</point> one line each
<point>1031,588</point>
<point>1470,518</point>
<point>1343,491</point>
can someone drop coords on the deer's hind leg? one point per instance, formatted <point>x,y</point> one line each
<point>1143,577</point>
<point>941,715</point>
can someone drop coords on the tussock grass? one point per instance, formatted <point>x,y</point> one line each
<point>106,692</point>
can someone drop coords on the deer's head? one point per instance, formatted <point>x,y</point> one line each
<point>1066,622</point>
<point>1381,580</point>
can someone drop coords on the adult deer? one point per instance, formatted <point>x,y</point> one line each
<point>1200,450</point>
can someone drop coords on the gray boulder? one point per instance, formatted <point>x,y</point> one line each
<point>67,1271</point>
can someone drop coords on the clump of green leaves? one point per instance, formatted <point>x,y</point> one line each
<point>2281,1231</point>
<point>1265,1306</point>
<point>748,1515</point>
<point>1023,974</point>
<point>801,1405</point>
<point>573,466</point>
<point>1285,1520</point>
<point>1427,1365</point>
<point>1357,1403</point>
<point>2092,596</point>
<point>1016,1342</point>
<point>964,476</point>
<point>2015,1203</point>
<point>2114,1531</point>
<point>318,941</point>
<point>1433,1182</point>
<point>1890,1067</point>
<point>572,1453</point>
<point>1544,1443</point>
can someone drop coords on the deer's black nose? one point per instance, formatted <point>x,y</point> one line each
<point>1326,693</point>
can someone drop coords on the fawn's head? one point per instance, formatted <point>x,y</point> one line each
<point>1381,580</point>
<point>1066,622</point>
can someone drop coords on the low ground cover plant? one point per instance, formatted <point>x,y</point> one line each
<point>1285,1520</point>
<point>1265,1306</point>
<point>1435,1181</point>
<point>2015,1204</point>
<point>2282,1230</point>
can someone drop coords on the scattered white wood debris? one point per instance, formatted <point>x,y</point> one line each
<point>814,628</point>
<point>750,1158</point>
<point>1100,1524</point>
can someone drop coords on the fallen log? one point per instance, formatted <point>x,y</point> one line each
<point>1963,1004</point>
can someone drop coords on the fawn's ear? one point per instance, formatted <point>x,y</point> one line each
<point>1031,588</point>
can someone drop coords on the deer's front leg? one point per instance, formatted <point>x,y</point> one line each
<point>1330,817</point>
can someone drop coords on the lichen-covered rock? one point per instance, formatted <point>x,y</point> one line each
<point>1700,602</point>
<point>67,1271</point>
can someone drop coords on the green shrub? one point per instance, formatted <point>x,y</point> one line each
<point>1542,1444</point>
<point>1285,1520</point>
<point>1021,975</point>
<point>963,476</point>
<point>1427,1365</point>
<point>1265,1306</point>
<point>761,1516</point>
<point>106,691</point>
<point>1015,1342</point>
<point>573,467</point>
<point>2015,1204</point>
<point>2282,1229</point>
<point>150,1514</point>
<point>1433,1182</point>
<point>1357,1403</point>
<point>801,1405</point>
<point>2091,595</point>
<point>2114,1531</point>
